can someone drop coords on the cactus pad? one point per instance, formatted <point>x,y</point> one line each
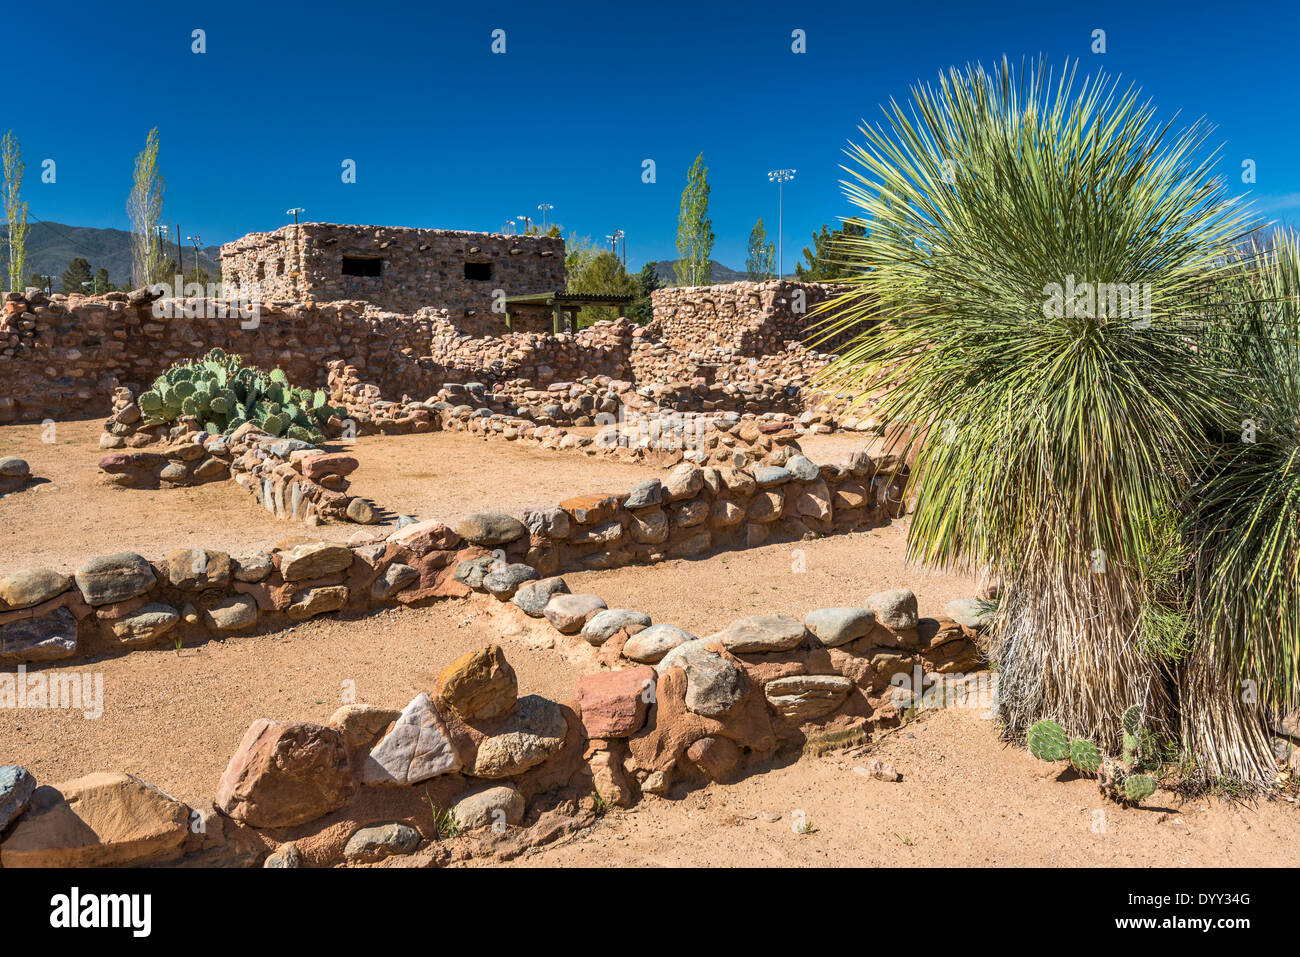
<point>1084,756</point>
<point>1139,786</point>
<point>1047,741</point>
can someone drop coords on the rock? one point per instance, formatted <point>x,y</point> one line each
<point>684,481</point>
<point>479,684</point>
<point>767,476</point>
<point>548,520</point>
<point>614,703</point>
<point>763,633</point>
<point>415,749</point>
<point>649,492</point>
<point>254,568</point>
<point>716,757</point>
<point>360,724</point>
<point>145,626</point>
<point>895,609</point>
<point>472,571</point>
<point>800,698</point>
<point>234,614</point>
<point>377,841</point>
<point>16,787</point>
<point>880,770</point>
<point>286,855</point>
<point>100,820</point>
<point>590,509</point>
<point>490,528</point>
<point>651,644</point>
<point>114,578</point>
<point>316,467</point>
<point>765,506</point>
<point>31,586</point>
<point>528,737</point>
<point>714,684</point>
<point>803,468</point>
<point>43,638</point>
<point>502,581</point>
<point>568,613</point>
<point>649,527</point>
<point>604,623</point>
<point>314,560</point>
<point>833,627</point>
<point>193,569</point>
<point>361,512</point>
<point>284,774</point>
<point>532,597</point>
<point>395,577</point>
<point>971,612</point>
<point>13,467</point>
<point>495,807</point>
<point>317,601</point>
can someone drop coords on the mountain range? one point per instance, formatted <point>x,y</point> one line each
<point>51,246</point>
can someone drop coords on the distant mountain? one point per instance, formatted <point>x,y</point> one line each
<point>664,269</point>
<point>51,246</point>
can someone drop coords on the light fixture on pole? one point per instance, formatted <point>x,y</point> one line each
<point>619,234</point>
<point>544,207</point>
<point>509,227</point>
<point>294,213</point>
<point>527,223</point>
<point>780,177</point>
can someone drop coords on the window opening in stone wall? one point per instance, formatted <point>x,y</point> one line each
<point>479,272</point>
<point>358,266</point>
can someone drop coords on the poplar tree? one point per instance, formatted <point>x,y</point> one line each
<point>761,263</point>
<point>145,209</point>
<point>694,229</point>
<point>15,210</point>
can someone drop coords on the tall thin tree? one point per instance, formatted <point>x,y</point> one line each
<point>694,229</point>
<point>15,209</point>
<point>145,209</point>
<point>761,263</point>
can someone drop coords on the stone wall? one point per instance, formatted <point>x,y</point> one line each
<point>453,270</point>
<point>741,318</point>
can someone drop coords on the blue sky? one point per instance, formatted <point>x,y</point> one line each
<point>447,134</point>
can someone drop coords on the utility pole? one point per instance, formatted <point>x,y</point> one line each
<point>780,177</point>
<point>195,240</point>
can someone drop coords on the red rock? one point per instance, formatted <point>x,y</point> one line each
<point>286,774</point>
<point>328,463</point>
<point>614,703</point>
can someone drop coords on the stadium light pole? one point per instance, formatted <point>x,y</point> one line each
<point>780,177</point>
<point>544,207</point>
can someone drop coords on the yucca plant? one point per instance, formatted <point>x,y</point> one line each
<point>1244,521</point>
<point>1034,249</point>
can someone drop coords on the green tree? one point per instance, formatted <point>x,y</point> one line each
<point>596,271</point>
<point>100,283</point>
<point>145,208</point>
<point>77,273</point>
<point>642,308</point>
<point>694,265</point>
<point>833,254</point>
<point>761,263</point>
<point>1048,442</point>
<point>15,209</point>
<point>39,281</point>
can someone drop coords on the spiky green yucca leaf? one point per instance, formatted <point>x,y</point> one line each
<point>1245,519</point>
<point>1085,756</point>
<point>1047,741</point>
<point>1047,431</point>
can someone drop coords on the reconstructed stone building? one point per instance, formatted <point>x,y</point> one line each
<point>397,268</point>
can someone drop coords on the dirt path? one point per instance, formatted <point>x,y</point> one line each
<point>965,800</point>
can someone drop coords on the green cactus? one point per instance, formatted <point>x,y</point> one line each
<point>1084,756</point>
<point>150,402</point>
<point>1131,719</point>
<point>1138,787</point>
<point>1047,741</point>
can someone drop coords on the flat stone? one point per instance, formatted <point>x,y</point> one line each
<point>415,749</point>
<point>31,586</point>
<point>504,581</point>
<point>651,644</point>
<point>533,733</point>
<point>44,638</point>
<point>145,626</point>
<point>113,578</point>
<point>895,609</point>
<point>649,492</point>
<point>234,614</point>
<point>360,724</point>
<point>314,560</point>
<point>285,774</point>
<point>100,820</point>
<point>491,807</point>
<point>479,684</point>
<point>802,698</point>
<point>533,597</point>
<point>14,467</point>
<point>286,856</point>
<point>317,601</point>
<point>316,467</point>
<point>591,508</point>
<point>193,569</point>
<point>714,685</point>
<point>971,612</point>
<point>601,626</point>
<point>548,520</point>
<point>254,568</point>
<point>769,475</point>
<point>614,703</point>
<point>760,633</point>
<point>378,841</point>
<point>490,528</point>
<point>395,577</point>
<point>16,787</point>
<point>568,613</point>
<point>837,626</point>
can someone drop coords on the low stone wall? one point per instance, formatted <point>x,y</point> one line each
<point>469,768</point>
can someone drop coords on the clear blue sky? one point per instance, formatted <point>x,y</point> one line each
<point>447,134</point>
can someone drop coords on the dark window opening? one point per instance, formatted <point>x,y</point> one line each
<point>356,266</point>
<point>480,272</point>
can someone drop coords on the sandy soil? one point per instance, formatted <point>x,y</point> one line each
<point>965,799</point>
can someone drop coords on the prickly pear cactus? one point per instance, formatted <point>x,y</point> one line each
<point>1138,787</point>
<point>1084,756</point>
<point>1131,719</point>
<point>1047,741</point>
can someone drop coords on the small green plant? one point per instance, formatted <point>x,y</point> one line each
<point>602,804</point>
<point>1122,780</point>
<point>445,824</point>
